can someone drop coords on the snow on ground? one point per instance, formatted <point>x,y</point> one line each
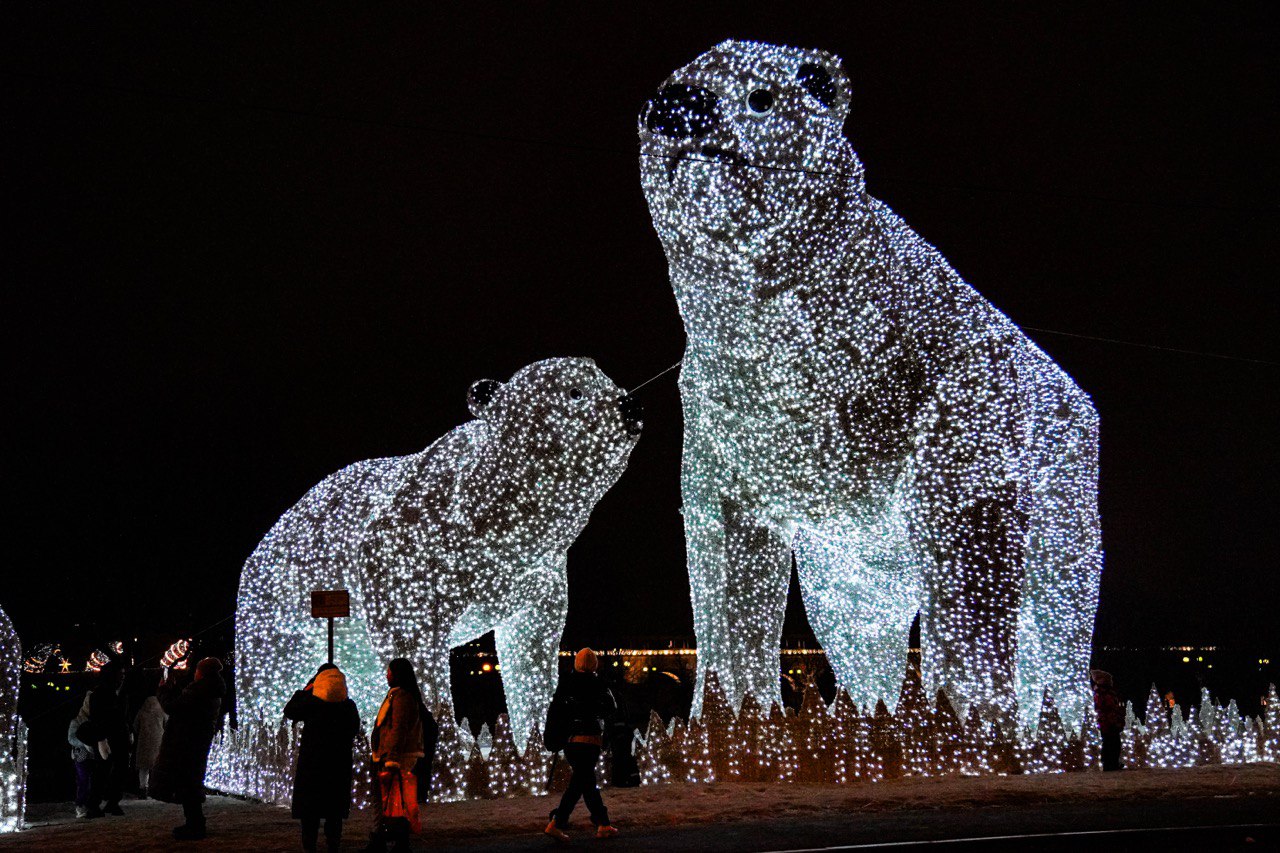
<point>237,825</point>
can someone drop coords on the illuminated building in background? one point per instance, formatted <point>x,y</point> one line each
<point>850,401</point>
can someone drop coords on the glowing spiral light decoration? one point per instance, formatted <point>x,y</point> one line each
<point>176,655</point>
<point>436,549</point>
<point>850,401</point>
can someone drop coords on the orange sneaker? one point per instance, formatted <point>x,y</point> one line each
<point>556,832</point>
<point>606,831</point>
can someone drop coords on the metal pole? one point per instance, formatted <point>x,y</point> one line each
<point>330,639</point>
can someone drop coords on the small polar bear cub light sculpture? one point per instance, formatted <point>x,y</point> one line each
<point>850,400</point>
<point>440,547</point>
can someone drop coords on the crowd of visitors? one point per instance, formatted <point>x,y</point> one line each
<point>169,738</point>
<point>168,741</point>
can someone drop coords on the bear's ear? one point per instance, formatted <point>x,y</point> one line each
<point>824,79</point>
<point>479,395</point>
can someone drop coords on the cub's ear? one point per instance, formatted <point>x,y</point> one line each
<point>824,79</point>
<point>479,395</point>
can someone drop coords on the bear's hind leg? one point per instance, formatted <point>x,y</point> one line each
<point>860,598</point>
<point>757,573</point>
<point>1063,571</point>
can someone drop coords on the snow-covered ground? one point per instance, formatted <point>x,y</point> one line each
<point>237,825</point>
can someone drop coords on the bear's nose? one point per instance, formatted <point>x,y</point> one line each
<point>632,414</point>
<point>681,111</point>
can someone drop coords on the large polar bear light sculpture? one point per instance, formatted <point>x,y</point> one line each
<point>438,548</point>
<point>849,399</point>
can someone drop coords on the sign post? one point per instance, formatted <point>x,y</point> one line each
<point>330,604</point>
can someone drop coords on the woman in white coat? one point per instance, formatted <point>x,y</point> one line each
<point>148,729</point>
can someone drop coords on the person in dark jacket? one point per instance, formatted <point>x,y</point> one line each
<point>84,754</point>
<point>590,709</point>
<point>397,743</point>
<point>193,710</point>
<point>1110,713</point>
<point>111,728</point>
<point>322,782</point>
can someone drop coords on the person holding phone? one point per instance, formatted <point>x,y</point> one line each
<point>322,783</point>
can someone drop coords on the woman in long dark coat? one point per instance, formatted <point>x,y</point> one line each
<point>322,783</point>
<point>178,776</point>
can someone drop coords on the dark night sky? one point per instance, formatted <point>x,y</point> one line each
<point>250,244</point>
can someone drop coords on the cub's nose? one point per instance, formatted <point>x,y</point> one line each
<point>680,111</point>
<point>632,414</point>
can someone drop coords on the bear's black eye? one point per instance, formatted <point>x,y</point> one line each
<point>575,394</point>
<point>760,101</point>
<point>817,82</point>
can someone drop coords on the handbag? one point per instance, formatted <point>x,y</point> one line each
<point>399,798</point>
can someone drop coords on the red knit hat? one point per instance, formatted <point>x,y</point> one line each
<point>586,661</point>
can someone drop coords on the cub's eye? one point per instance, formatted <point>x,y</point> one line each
<point>760,101</point>
<point>575,394</point>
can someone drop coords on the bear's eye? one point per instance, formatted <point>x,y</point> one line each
<point>817,81</point>
<point>760,101</point>
<point>575,394</point>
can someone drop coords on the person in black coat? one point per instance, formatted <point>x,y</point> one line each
<point>589,710</point>
<point>107,718</point>
<point>322,783</point>
<point>193,710</point>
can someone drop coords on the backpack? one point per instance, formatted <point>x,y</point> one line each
<point>556,732</point>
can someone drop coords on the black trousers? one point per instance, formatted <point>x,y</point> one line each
<point>193,811</point>
<point>311,829</point>
<point>1111,751</point>
<point>110,778</point>
<point>582,757</point>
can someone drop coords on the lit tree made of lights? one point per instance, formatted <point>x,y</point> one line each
<point>849,400</point>
<point>436,549</point>
<point>13,739</point>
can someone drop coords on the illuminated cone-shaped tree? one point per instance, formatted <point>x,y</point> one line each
<point>653,771</point>
<point>780,745</point>
<point>505,771</point>
<point>846,763</point>
<point>1197,744</point>
<point>560,773</point>
<point>674,754</point>
<point>1271,736</point>
<point>753,761</point>
<point>1206,712</point>
<point>811,731</point>
<point>535,763</point>
<point>1156,719</point>
<point>948,736</point>
<point>363,784</point>
<point>484,740</point>
<point>717,719</point>
<point>885,743</point>
<point>912,717</point>
<point>1048,753</point>
<point>977,744</point>
<point>1169,747</point>
<point>1090,741</point>
<point>1133,744</point>
<point>697,754</point>
<point>477,776</point>
<point>1228,730</point>
<point>449,780</point>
